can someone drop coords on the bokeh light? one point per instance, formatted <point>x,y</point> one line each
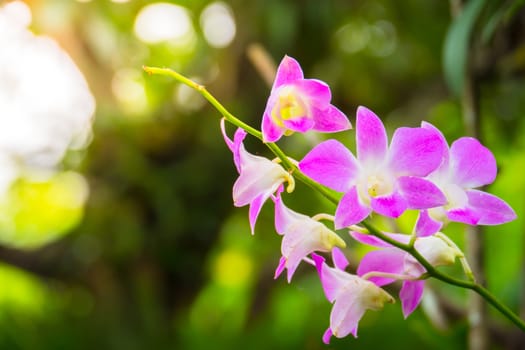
<point>160,22</point>
<point>218,24</point>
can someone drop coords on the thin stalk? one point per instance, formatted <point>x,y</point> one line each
<point>334,197</point>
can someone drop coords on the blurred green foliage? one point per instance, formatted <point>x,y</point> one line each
<point>161,259</point>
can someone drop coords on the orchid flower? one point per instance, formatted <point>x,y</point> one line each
<point>350,294</point>
<point>298,104</point>
<point>387,180</point>
<point>466,165</point>
<point>381,266</point>
<point>258,179</point>
<point>302,235</point>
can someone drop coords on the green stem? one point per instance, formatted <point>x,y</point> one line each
<point>334,197</point>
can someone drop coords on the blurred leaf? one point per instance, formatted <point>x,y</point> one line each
<point>36,212</point>
<point>456,48</point>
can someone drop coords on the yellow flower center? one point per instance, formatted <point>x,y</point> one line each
<point>289,105</point>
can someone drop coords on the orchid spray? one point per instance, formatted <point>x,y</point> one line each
<point>416,170</point>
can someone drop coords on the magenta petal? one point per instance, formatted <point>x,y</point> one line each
<point>371,138</point>
<point>426,226</point>
<point>350,211</point>
<point>472,164</point>
<point>280,267</point>
<point>420,193</point>
<point>317,92</point>
<point>491,209</point>
<point>369,240</point>
<point>465,215</point>
<point>410,295</point>
<point>339,259</point>
<point>390,260</point>
<point>392,205</point>
<point>331,164</point>
<point>415,151</point>
<point>255,209</point>
<point>289,70</point>
<point>301,124</point>
<point>271,132</point>
<point>235,145</point>
<point>330,119</point>
<point>327,336</point>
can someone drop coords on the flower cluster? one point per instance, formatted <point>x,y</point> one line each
<point>415,170</point>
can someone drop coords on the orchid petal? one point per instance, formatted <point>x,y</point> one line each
<point>332,280</point>
<point>235,145</point>
<point>443,140</point>
<point>270,130</point>
<point>258,176</point>
<point>299,124</point>
<point>339,259</point>
<point>410,295</point>
<point>327,335</point>
<point>350,211</point>
<point>420,193</point>
<point>465,215</point>
<point>289,70</point>
<point>316,91</point>
<point>389,260</point>
<point>280,267</point>
<point>255,209</point>
<point>472,164</point>
<point>392,205</point>
<point>331,164</point>
<point>415,151</point>
<point>330,119</point>
<point>491,209</point>
<point>345,315</point>
<point>371,138</point>
<point>426,226</point>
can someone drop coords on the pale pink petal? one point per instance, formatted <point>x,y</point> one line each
<point>410,295</point>
<point>331,164</point>
<point>371,138</point>
<point>339,259</point>
<point>472,164</point>
<point>390,260</point>
<point>271,132</point>
<point>327,335</point>
<point>345,315</point>
<point>426,226</point>
<point>350,211</point>
<point>255,209</point>
<point>252,183</point>
<point>284,217</point>
<point>420,193</point>
<point>330,119</point>
<point>415,151</point>
<point>330,279</point>
<point>234,145</point>
<point>315,91</point>
<point>491,209</point>
<point>280,267</point>
<point>288,71</point>
<point>392,205</point>
<point>299,124</point>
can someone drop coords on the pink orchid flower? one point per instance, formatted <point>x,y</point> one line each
<point>392,260</point>
<point>298,104</point>
<point>387,180</point>
<point>350,294</point>
<point>302,235</point>
<point>258,179</point>
<point>466,165</point>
